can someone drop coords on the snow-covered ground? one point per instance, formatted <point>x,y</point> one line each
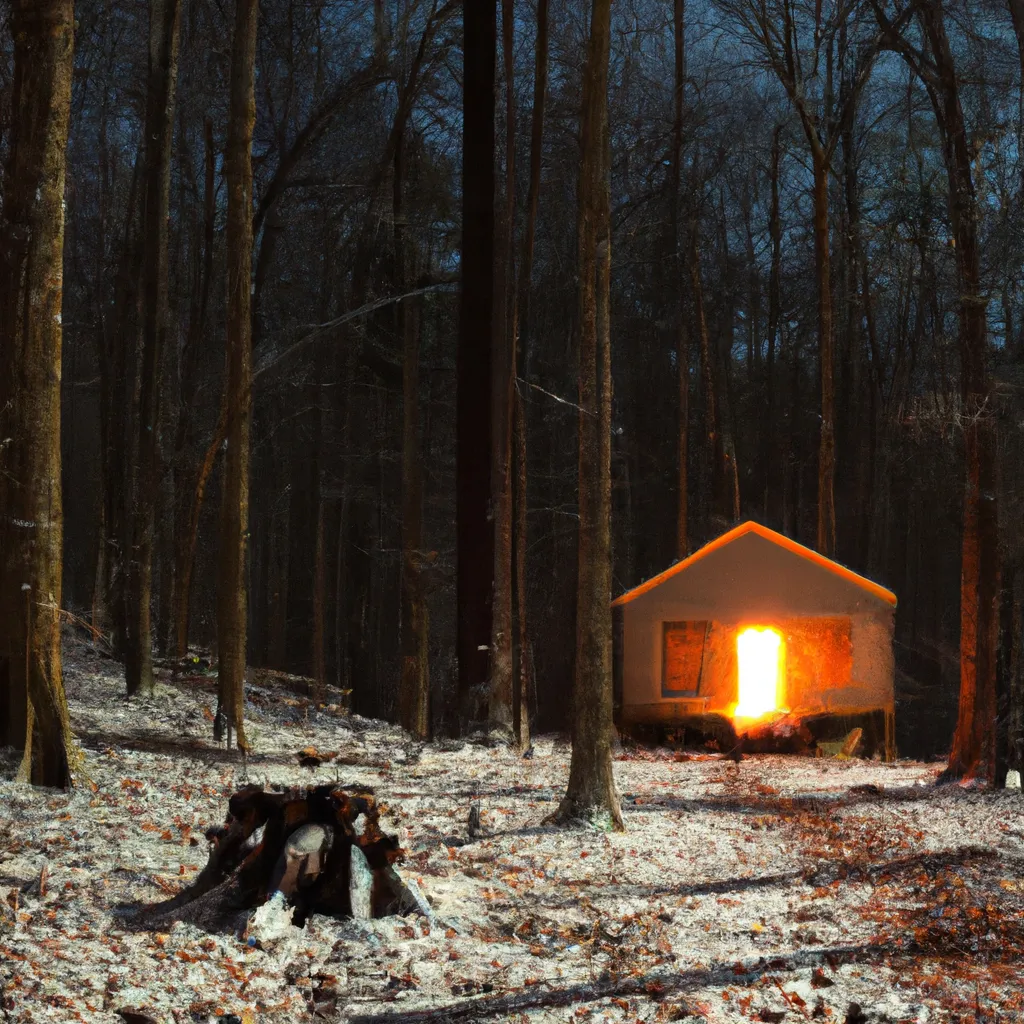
<point>776,889</point>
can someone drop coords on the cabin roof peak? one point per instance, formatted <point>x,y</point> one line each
<point>780,540</point>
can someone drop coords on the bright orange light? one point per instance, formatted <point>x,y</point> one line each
<point>758,654</point>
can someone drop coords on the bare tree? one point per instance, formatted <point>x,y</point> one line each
<point>591,792</point>
<point>522,680</point>
<point>414,688</point>
<point>501,710</point>
<point>33,709</point>
<point>475,531</point>
<point>974,743</point>
<point>682,332</point>
<point>163,70</point>
<point>192,485</point>
<point>232,597</point>
<point>806,53</point>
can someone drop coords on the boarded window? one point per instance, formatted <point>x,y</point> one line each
<point>819,658</point>
<point>682,658</point>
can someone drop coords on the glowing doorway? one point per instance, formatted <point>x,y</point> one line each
<point>759,658</point>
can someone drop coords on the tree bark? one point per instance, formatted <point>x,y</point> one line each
<point>1015,744</point>
<point>523,679</point>
<point>973,754</point>
<point>185,554</point>
<point>414,686</point>
<point>186,527</point>
<point>163,70</point>
<point>232,597</point>
<point>33,709</point>
<point>319,659</point>
<point>771,469</point>
<point>100,612</point>
<point>474,529</point>
<point>827,440</point>
<point>591,793</point>
<point>682,333</point>
<point>501,706</point>
<point>719,503</point>
<point>115,404</point>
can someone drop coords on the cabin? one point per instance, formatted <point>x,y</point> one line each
<point>755,629</point>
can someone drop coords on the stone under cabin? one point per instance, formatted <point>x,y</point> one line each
<point>757,637</point>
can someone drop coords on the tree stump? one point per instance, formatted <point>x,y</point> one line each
<point>320,850</point>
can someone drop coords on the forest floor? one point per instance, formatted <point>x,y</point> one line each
<point>778,889</point>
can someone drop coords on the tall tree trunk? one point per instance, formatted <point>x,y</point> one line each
<point>827,441</point>
<point>184,555</point>
<point>771,469</point>
<point>1015,729</point>
<point>474,529</point>
<point>278,586</point>
<point>33,708</point>
<point>100,612</point>
<point>722,353</point>
<point>414,687</point>
<point>186,523</point>
<point>501,709</point>
<point>232,601</point>
<point>522,680</point>
<point>682,333</point>
<point>591,793</point>
<point>319,658</point>
<point>973,753</point>
<point>163,71</point>
<point>720,503</point>
<point>116,399</point>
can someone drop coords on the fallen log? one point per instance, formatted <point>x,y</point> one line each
<point>301,686</point>
<point>313,850</point>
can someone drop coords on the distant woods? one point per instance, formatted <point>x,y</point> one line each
<point>330,419</point>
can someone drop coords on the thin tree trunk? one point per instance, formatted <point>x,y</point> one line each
<point>342,596</point>
<point>186,527</point>
<point>591,793</point>
<point>33,709</point>
<point>973,754</point>
<point>414,686</point>
<point>1015,752</point>
<point>115,419</point>
<point>682,333</point>
<point>770,465</point>
<point>320,603</point>
<point>100,613</point>
<point>501,706</point>
<point>722,353</point>
<point>185,549</point>
<point>279,579</point>
<point>522,681</point>
<point>827,442</point>
<point>232,600</point>
<point>474,529</point>
<point>163,71</point>
<point>720,502</point>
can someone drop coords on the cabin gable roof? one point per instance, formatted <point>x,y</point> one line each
<point>754,537</point>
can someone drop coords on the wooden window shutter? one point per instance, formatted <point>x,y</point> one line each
<point>682,658</point>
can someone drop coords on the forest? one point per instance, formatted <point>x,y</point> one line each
<point>357,355</point>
